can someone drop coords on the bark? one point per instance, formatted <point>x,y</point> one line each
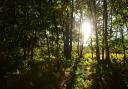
<point>122,40</point>
<point>66,45</point>
<point>57,35</point>
<point>71,82</point>
<point>96,30</point>
<point>106,32</point>
<point>103,40</point>
<point>91,49</point>
<point>71,28</point>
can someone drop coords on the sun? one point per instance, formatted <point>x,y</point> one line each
<point>86,28</point>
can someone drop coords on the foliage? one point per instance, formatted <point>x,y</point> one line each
<point>41,44</point>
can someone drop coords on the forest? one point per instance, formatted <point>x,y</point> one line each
<point>63,44</point>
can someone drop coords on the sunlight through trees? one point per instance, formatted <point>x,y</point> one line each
<point>63,44</point>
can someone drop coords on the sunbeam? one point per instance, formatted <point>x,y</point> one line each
<point>86,28</point>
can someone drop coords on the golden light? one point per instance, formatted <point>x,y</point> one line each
<point>86,28</point>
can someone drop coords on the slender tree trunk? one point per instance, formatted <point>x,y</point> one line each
<point>103,40</point>
<point>71,27</point>
<point>91,48</point>
<point>103,49</point>
<point>116,38</point>
<point>57,35</point>
<point>67,46</point>
<point>106,32</point>
<point>78,46</point>
<point>71,82</point>
<point>96,30</point>
<point>123,45</point>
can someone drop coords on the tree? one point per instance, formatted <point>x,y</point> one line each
<point>106,32</point>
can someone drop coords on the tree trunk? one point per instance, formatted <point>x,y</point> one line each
<point>96,30</point>
<point>106,32</point>
<point>91,48</point>
<point>123,45</point>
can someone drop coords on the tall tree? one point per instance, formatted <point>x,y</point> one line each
<point>93,5</point>
<point>106,31</point>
